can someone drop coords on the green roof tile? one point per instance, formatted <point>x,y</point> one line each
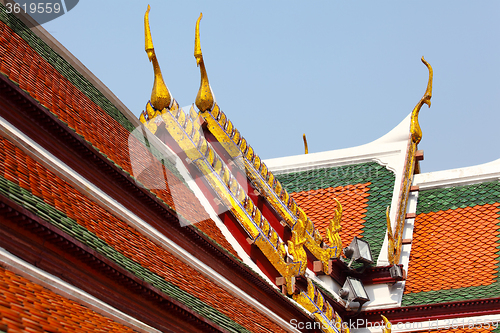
<point>435,200</point>
<point>450,295</point>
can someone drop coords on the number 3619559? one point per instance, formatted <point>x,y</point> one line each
<point>33,8</point>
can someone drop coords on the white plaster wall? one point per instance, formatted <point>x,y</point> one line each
<point>456,177</point>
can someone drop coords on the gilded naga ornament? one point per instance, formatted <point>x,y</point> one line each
<point>205,99</point>
<point>160,96</point>
<point>416,132</point>
<point>334,227</point>
<point>296,245</point>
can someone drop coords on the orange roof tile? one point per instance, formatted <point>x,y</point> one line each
<point>29,307</point>
<point>320,204</point>
<point>454,249</point>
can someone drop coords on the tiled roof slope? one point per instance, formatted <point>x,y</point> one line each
<point>29,307</point>
<point>37,189</point>
<point>318,205</point>
<point>55,84</point>
<point>364,190</point>
<point>455,247</point>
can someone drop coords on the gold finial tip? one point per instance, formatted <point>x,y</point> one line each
<point>205,99</point>
<point>428,91</point>
<point>149,41</point>
<point>416,132</point>
<point>197,46</point>
<point>306,149</point>
<point>160,96</point>
<point>425,61</point>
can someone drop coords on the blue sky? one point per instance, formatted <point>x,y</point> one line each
<point>343,72</point>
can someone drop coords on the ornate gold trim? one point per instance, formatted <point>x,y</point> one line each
<point>189,138</point>
<point>393,249</point>
<point>256,170</point>
<point>187,133</point>
<point>395,239</point>
<point>230,139</point>
<point>314,302</point>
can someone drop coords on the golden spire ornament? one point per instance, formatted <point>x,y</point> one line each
<point>306,149</point>
<point>204,99</point>
<point>160,96</point>
<point>416,132</point>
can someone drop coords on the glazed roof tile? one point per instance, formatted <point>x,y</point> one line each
<point>320,204</point>
<point>434,200</point>
<point>29,307</point>
<point>454,253</point>
<point>364,190</point>
<point>57,202</point>
<point>56,85</point>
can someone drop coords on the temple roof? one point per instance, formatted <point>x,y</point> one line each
<point>365,179</point>
<point>238,230</point>
<point>454,252</point>
<point>39,182</point>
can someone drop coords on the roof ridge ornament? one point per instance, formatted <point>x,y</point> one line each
<point>296,245</point>
<point>416,132</point>
<point>160,95</point>
<point>332,232</point>
<point>306,149</point>
<point>205,99</point>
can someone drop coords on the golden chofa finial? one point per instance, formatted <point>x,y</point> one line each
<point>160,96</point>
<point>204,99</point>
<point>416,132</point>
<point>306,150</point>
